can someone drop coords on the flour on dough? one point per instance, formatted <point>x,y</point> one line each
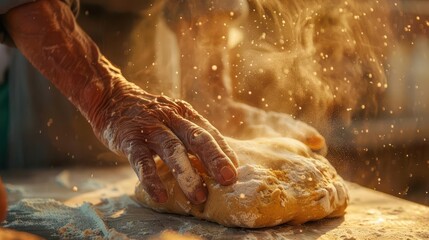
<point>279,180</point>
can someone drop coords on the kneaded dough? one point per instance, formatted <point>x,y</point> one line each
<point>279,180</point>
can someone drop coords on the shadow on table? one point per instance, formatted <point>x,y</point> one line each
<point>122,216</point>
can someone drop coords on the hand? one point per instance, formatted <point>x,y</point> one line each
<point>139,125</point>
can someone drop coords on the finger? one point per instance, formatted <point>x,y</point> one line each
<point>218,137</point>
<point>202,144</point>
<point>141,160</point>
<point>194,117</point>
<point>171,150</point>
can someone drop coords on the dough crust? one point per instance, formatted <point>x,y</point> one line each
<point>279,180</point>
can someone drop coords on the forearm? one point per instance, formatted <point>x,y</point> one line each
<point>47,34</point>
<point>127,119</point>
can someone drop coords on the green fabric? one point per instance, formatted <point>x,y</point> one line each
<point>4,123</point>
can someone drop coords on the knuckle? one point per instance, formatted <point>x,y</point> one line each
<point>142,165</point>
<point>216,160</point>
<point>197,136</point>
<point>182,103</point>
<point>147,170</point>
<point>162,99</point>
<point>171,147</point>
<point>162,114</point>
<point>186,109</point>
<point>214,157</point>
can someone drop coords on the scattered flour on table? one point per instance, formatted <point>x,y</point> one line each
<point>64,179</point>
<point>203,230</point>
<point>84,221</point>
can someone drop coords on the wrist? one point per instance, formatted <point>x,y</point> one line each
<point>98,97</point>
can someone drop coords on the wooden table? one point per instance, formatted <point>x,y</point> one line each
<point>79,203</point>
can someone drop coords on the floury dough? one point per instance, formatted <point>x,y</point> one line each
<point>279,180</point>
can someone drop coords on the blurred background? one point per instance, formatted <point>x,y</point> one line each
<point>389,152</point>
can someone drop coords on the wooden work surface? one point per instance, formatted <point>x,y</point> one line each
<point>98,202</point>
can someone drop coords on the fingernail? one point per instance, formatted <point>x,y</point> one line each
<point>162,197</point>
<point>227,174</point>
<point>200,196</point>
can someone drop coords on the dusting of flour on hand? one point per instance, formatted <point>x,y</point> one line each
<point>279,180</point>
<point>108,137</point>
<point>186,175</point>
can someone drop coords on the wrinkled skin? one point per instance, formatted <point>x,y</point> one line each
<point>127,119</point>
<point>140,125</point>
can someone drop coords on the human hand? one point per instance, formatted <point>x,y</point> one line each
<point>140,125</point>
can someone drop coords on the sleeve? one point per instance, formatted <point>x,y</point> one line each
<point>6,5</point>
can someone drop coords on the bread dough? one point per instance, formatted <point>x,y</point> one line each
<point>279,180</point>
